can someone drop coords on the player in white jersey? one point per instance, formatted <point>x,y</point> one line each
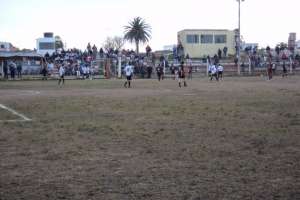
<point>213,72</point>
<point>61,74</point>
<point>129,73</point>
<point>220,71</point>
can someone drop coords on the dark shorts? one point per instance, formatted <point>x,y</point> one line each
<point>129,78</point>
<point>284,70</point>
<point>220,73</point>
<point>63,76</point>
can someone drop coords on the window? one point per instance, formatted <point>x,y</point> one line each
<point>205,39</point>
<point>220,39</point>
<point>2,46</point>
<point>191,39</point>
<point>46,45</point>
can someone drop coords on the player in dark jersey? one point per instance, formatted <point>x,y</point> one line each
<point>159,71</point>
<point>181,75</point>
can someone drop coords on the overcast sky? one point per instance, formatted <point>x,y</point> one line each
<point>78,22</point>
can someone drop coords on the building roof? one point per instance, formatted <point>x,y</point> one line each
<point>205,30</point>
<point>19,54</point>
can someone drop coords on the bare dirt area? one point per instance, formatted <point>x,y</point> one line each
<point>234,139</point>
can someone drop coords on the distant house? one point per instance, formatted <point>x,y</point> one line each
<point>46,44</point>
<point>203,42</point>
<point>6,46</point>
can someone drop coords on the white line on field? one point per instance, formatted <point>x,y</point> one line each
<point>24,118</point>
<point>33,92</point>
<point>14,120</point>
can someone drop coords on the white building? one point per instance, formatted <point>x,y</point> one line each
<point>203,42</point>
<point>298,44</point>
<point>46,44</point>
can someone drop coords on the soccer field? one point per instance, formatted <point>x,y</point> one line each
<point>234,139</point>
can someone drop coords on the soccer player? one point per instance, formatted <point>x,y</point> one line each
<point>61,74</point>
<point>129,73</point>
<point>213,71</point>
<point>220,71</point>
<point>284,70</point>
<point>159,71</point>
<point>181,75</point>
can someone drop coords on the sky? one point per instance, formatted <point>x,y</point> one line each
<point>78,22</point>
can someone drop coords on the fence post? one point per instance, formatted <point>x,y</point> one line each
<point>207,65</point>
<point>2,64</point>
<point>291,66</point>
<point>119,67</point>
<point>249,65</point>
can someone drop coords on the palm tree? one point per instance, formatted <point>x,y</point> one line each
<point>137,31</point>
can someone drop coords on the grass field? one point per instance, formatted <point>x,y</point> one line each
<point>236,139</point>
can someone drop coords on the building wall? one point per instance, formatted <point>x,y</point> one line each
<point>199,49</point>
<point>45,40</point>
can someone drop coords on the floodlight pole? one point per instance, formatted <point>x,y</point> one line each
<point>239,39</point>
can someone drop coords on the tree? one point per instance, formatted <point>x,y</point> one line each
<point>108,44</point>
<point>282,46</point>
<point>137,31</point>
<point>115,43</point>
<point>58,42</point>
<point>118,42</point>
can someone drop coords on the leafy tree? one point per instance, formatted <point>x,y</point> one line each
<point>138,31</point>
<point>282,46</point>
<point>58,42</point>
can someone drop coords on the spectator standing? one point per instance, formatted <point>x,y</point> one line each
<point>220,53</point>
<point>148,50</point>
<point>216,59</point>
<point>225,49</point>
<point>19,70</point>
<point>12,69</point>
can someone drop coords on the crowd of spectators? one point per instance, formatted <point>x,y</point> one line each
<point>80,64</point>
